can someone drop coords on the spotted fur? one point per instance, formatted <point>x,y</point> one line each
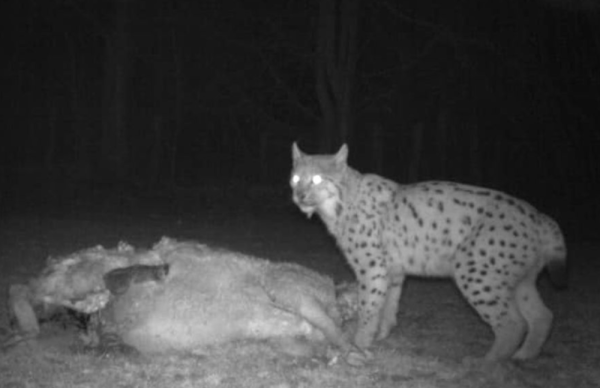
<point>493,245</point>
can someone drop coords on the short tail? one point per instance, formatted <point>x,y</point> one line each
<point>554,251</point>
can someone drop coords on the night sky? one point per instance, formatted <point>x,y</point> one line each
<point>143,95</point>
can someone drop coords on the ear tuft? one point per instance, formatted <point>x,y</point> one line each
<point>296,153</point>
<point>342,155</point>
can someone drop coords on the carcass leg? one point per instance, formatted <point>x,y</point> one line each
<point>22,312</point>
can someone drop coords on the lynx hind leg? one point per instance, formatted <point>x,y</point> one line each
<point>495,301</point>
<point>509,327</point>
<point>537,315</point>
<point>507,323</point>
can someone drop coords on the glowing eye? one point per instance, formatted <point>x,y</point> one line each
<point>295,180</point>
<point>316,179</point>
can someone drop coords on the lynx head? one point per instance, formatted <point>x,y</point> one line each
<point>316,181</point>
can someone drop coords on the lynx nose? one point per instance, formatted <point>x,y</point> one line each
<point>300,196</point>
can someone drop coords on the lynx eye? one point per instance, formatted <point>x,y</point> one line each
<point>295,179</point>
<point>316,179</point>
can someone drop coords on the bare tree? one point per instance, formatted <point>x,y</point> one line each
<point>335,66</point>
<point>114,142</point>
<point>586,5</point>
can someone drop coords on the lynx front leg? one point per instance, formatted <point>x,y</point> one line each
<point>390,308</point>
<point>371,299</point>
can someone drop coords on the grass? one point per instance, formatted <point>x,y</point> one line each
<point>436,328</point>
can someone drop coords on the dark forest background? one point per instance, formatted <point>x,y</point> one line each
<point>149,98</point>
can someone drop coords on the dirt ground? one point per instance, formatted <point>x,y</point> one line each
<point>436,328</point>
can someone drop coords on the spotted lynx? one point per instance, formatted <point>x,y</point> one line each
<point>492,245</point>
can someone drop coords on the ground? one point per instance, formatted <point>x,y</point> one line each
<point>436,328</point>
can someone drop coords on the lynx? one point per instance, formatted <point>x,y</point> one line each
<point>493,245</point>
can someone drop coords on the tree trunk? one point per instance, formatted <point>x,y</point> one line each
<point>154,154</point>
<point>442,137</point>
<point>474,160</point>
<point>179,98</point>
<point>347,58</point>
<point>324,61</point>
<point>335,67</point>
<point>114,140</point>
<point>414,167</point>
<point>377,148</point>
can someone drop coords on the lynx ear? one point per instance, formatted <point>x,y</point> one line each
<point>296,153</point>
<point>342,155</point>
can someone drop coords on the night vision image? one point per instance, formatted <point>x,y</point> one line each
<point>299,193</point>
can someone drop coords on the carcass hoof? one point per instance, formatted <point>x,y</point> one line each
<point>16,340</point>
<point>111,345</point>
<point>359,357</point>
<point>355,358</point>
